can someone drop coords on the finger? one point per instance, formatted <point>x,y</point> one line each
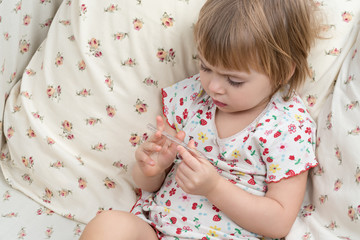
<point>160,123</point>
<point>188,158</point>
<point>182,181</point>
<point>197,155</point>
<point>143,158</point>
<point>150,147</point>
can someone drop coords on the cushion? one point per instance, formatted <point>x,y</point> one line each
<point>332,207</point>
<point>18,44</point>
<point>74,120</point>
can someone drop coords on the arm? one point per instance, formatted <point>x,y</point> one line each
<point>270,216</point>
<point>154,158</point>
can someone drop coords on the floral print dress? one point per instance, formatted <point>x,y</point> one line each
<point>278,144</point>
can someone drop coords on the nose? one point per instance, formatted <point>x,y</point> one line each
<point>216,84</point>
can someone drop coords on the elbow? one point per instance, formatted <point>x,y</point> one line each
<point>280,230</point>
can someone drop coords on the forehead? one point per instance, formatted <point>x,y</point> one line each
<point>222,70</point>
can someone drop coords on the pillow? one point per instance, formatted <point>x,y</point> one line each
<point>24,26</point>
<point>74,120</point>
<point>326,57</point>
<point>332,209</point>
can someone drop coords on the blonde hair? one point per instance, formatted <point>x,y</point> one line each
<point>270,36</point>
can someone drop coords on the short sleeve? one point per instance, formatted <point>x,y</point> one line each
<point>290,148</point>
<point>178,100</point>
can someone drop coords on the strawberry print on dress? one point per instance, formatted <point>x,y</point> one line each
<point>278,144</point>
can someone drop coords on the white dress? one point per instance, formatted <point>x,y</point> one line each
<point>278,144</point>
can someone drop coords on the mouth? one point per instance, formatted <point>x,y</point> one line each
<point>219,104</point>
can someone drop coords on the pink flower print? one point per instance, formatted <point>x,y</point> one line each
<point>357,176</point>
<point>352,213</point>
<point>45,1</point>
<point>129,62</point>
<point>18,6</point>
<point>338,185</point>
<point>145,136</point>
<point>59,60</point>
<point>311,100</point>
<point>84,92</point>
<point>140,106</point>
<point>26,95</point>
<point>352,105</point>
<point>355,131</point>
<point>138,24</point>
<point>349,79</point>
<point>99,147</point>
<point>77,230</point>
<point>120,165</point>
<point>57,164</point>
<point>338,154</point>
<point>50,141</point>
<point>53,92</point>
<point>135,139</point>
<point>6,196</point>
<point>111,8</point>
<point>49,232</point>
<point>323,199</point>
<point>332,225</point>
<point>166,56</point>
<point>307,210</point>
<point>24,46</point>
<point>67,126</point>
<point>26,20</point>
<point>28,162</point>
<point>22,233</point>
<point>27,178</point>
<point>109,183</point>
<point>48,195</point>
<point>120,36</point>
<point>65,22</point>
<point>30,72</point>
<point>94,45</point>
<point>83,9</point>
<point>10,132</point>
<point>6,36</point>
<point>64,193</point>
<point>150,82</point>
<point>110,110</point>
<point>69,216</point>
<point>82,183</point>
<point>167,21</point>
<point>333,52</point>
<point>346,16</point>
<point>93,121</point>
<point>46,23</point>
<point>30,133</point>
<point>81,65</point>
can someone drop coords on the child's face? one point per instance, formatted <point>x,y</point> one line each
<point>236,91</point>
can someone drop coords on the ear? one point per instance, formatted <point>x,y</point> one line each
<point>292,71</point>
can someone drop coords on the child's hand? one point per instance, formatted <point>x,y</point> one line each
<point>196,175</point>
<point>158,153</point>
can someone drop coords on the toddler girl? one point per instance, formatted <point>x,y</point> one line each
<point>242,113</point>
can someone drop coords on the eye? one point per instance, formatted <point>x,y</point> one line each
<point>234,83</point>
<point>204,68</point>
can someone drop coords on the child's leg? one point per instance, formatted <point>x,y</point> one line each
<point>117,225</point>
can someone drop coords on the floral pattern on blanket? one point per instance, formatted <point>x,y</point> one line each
<point>80,108</point>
